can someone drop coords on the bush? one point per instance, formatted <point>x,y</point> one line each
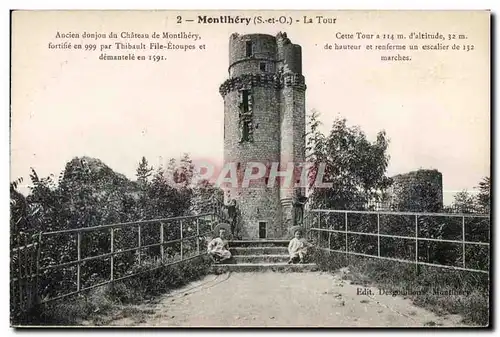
<point>88,193</point>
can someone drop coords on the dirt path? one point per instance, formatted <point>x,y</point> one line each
<point>313,299</point>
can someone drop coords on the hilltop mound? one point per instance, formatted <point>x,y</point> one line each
<point>88,170</point>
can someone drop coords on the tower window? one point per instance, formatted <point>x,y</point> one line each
<point>262,230</point>
<point>262,66</point>
<point>248,50</point>
<point>245,98</point>
<point>246,120</point>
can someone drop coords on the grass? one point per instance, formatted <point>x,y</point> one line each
<point>101,305</point>
<point>440,290</point>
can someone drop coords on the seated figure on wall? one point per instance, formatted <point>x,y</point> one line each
<point>218,248</point>
<point>231,212</point>
<point>298,205</point>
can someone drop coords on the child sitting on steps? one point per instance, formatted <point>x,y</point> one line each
<point>297,248</point>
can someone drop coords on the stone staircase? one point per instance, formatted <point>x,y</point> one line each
<point>260,255</point>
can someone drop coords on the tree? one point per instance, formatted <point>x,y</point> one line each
<point>186,170</point>
<point>171,171</point>
<point>484,197</point>
<point>166,200</point>
<point>20,214</point>
<point>203,194</point>
<point>353,165</point>
<point>44,204</point>
<point>88,193</point>
<point>144,171</point>
<point>464,202</point>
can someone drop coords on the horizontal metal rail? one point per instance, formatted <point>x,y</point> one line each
<point>459,215</point>
<point>195,220</point>
<point>321,214</point>
<point>404,261</point>
<point>28,255</point>
<point>15,249</point>
<point>118,252</point>
<point>119,279</point>
<point>124,224</point>
<point>401,237</point>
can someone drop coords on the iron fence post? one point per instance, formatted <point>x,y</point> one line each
<point>329,235</point>
<point>378,233</point>
<point>182,239</point>
<point>38,257</point>
<point>112,251</point>
<point>79,258</point>
<point>307,222</point>
<point>162,242</point>
<point>463,241</point>
<point>197,236</point>
<point>26,272</point>
<point>32,258</point>
<point>346,245</point>
<point>319,231</point>
<point>19,277</point>
<point>416,243</point>
<point>139,246</point>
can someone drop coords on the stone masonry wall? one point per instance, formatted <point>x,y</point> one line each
<point>278,117</point>
<point>417,191</point>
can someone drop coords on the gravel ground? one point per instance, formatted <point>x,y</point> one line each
<point>273,299</point>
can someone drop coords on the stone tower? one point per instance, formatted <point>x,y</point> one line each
<point>264,121</point>
<point>417,191</point>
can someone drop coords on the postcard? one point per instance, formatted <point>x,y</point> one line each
<point>238,168</point>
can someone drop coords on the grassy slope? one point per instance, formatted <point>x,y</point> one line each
<point>440,290</point>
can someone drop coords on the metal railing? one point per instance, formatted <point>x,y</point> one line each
<point>172,240</point>
<point>427,238</point>
<point>184,223</point>
<point>23,267</point>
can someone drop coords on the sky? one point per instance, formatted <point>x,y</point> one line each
<point>66,103</point>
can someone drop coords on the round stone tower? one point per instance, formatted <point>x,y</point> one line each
<point>264,122</point>
<point>417,191</point>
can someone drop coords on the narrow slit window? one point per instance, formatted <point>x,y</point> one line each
<point>245,98</point>
<point>246,122</point>
<point>262,66</point>
<point>249,48</point>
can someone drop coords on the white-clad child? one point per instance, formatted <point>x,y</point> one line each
<point>297,248</point>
